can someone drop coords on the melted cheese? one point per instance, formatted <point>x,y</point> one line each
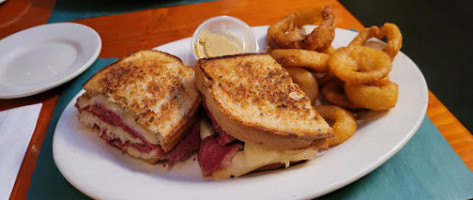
<point>255,156</point>
<point>206,129</point>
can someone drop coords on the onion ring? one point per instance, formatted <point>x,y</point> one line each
<point>359,64</point>
<point>334,93</point>
<point>375,44</point>
<point>388,30</point>
<point>306,82</point>
<point>330,50</point>
<point>344,124</point>
<point>321,37</point>
<point>381,95</point>
<point>287,33</point>
<point>394,39</point>
<point>323,78</point>
<point>301,58</point>
<point>364,35</point>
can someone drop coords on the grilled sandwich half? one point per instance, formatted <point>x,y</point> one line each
<point>257,110</point>
<point>145,104</point>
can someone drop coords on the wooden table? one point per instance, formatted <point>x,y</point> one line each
<point>124,33</point>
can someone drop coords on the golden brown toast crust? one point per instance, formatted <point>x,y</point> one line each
<point>254,99</point>
<point>156,88</point>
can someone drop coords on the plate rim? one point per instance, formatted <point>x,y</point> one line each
<point>352,178</point>
<point>88,61</point>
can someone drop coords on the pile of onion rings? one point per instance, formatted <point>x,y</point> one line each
<point>350,79</point>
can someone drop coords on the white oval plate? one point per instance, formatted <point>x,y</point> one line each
<point>40,58</point>
<point>102,172</point>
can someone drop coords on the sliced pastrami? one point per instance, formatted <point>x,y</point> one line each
<point>116,142</point>
<point>113,119</point>
<point>186,147</point>
<point>223,137</point>
<point>213,155</point>
<point>180,152</point>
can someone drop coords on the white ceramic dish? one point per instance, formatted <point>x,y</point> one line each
<point>103,172</point>
<point>229,25</point>
<point>40,58</point>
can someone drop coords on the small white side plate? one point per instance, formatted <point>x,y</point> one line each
<point>40,58</point>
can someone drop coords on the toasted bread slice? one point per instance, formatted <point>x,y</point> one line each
<point>152,89</point>
<point>255,100</point>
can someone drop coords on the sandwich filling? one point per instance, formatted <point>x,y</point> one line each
<point>223,156</point>
<point>120,130</point>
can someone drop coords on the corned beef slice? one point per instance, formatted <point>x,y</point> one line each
<point>223,137</point>
<point>212,155</point>
<point>217,150</point>
<point>182,151</point>
<point>186,147</point>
